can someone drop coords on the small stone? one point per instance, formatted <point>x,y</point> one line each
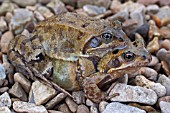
<point>164,32</point>
<point>55,100</point>
<point>44,1</point>
<point>9,69</point>
<point>152,9</point>
<point>89,102</point>
<point>71,104</point>
<point>129,93</point>
<point>3,25</point>
<point>116,6</point>
<point>102,106</point>
<point>78,97</point>
<point>57,6</point>
<point>5,100</point>
<point>5,40</point>
<point>6,7</point>
<point>116,107</point>
<point>24,3</point>
<point>24,107</point>
<point>42,93</point>
<point>165,81</point>
<point>82,109</point>
<point>147,2</point>
<point>93,109</point>
<point>18,92</point>
<point>20,19</point>
<point>64,108</point>
<point>164,12</point>
<point>165,107</point>
<point>164,2</point>
<point>165,98</point>
<point>153,45</point>
<point>121,16</point>
<point>2,72</point>
<point>157,87</point>
<point>26,33</point>
<point>38,16</point>
<point>149,73</point>
<point>93,10</point>
<point>53,111</point>
<point>165,44</point>
<point>153,30</point>
<point>24,82</point>
<point>165,67</point>
<point>5,110</point>
<point>44,11</point>
<point>3,89</point>
<point>154,61</point>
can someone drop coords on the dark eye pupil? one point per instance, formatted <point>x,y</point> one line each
<point>107,36</point>
<point>128,56</point>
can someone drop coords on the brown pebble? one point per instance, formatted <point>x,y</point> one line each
<point>165,44</point>
<point>5,40</point>
<point>82,109</point>
<point>153,45</point>
<point>165,67</point>
<point>4,89</point>
<point>25,83</point>
<point>53,111</point>
<point>146,108</point>
<point>71,104</point>
<point>64,108</point>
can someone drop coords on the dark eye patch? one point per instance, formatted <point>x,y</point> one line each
<point>128,56</point>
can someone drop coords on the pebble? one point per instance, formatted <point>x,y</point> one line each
<point>164,12</point>
<point>64,108</point>
<point>153,9</point>
<point>9,69</point>
<point>5,40</point>
<point>44,1</point>
<point>165,107</point>
<point>102,106</point>
<point>24,3</point>
<point>53,111</point>
<point>149,73</point>
<point>165,98</point>
<point>42,93</point>
<point>154,61</point>
<point>116,107</point>
<point>23,81</point>
<point>153,45</point>
<point>93,109</point>
<point>57,6</point>
<point>129,93</point>
<point>165,44</point>
<point>6,7</point>
<point>71,104</point>
<point>2,72</point>
<point>38,16</point>
<point>55,100</point>
<point>93,10</point>
<point>78,97</point>
<point>25,107</point>
<point>82,109</point>
<point>17,91</point>
<point>5,110</point>
<point>3,25</point>
<point>165,67</point>
<point>165,81</point>
<point>157,87</point>
<point>116,6</point>
<point>153,30</point>
<point>5,100</point>
<point>89,102</point>
<point>121,16</point>
<point>44,11</point>
<point>20,19</point>
<point>164,32</point>
<point>3,89</point>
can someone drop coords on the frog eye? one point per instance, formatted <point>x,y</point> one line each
<point>128,56</point>
<point>107,37</point>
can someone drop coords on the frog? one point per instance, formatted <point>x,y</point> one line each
<point>76,52</point>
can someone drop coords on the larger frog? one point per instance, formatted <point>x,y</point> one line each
<point>77,52</point>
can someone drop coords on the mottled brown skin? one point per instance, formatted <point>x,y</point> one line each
<point>76,52</point>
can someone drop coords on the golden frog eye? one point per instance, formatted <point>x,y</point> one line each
<point>128,56</point>
<point>107,37</point>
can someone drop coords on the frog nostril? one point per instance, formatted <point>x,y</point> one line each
<point>144,57</point>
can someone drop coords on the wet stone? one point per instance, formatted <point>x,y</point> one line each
<point>129,93</point>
